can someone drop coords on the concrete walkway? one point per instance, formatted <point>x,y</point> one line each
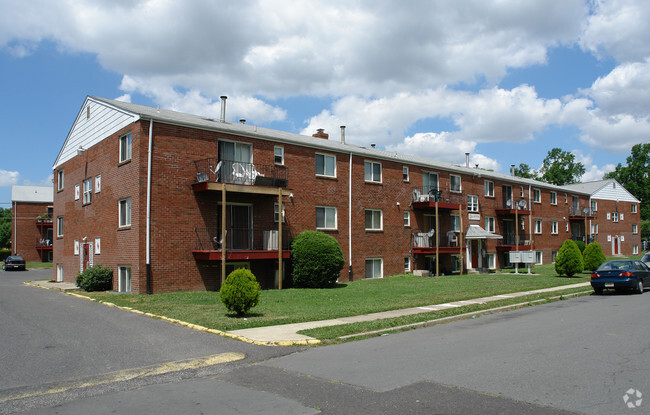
<point>289,332</point>
<point>52,285</point>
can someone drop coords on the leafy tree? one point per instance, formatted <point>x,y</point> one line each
<point>317,260</point>
<point>525,171</point>
<point>5,227</point>
<point>240,291</point>
<point>560,168</point>
<point>569,259</point>
<point>593,256</point>
<point>635,176</point>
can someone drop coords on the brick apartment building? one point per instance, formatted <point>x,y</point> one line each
<point>31,222</point>
<point>174,201</point>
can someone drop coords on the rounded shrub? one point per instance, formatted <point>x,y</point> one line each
<point>241,291</point>
<point>581,246</point>
<point>593,256</point>
<point>97,278</point>
<point>569,259</point>
<point>317,260</point>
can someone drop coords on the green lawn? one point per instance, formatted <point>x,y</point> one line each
<point>347,299</point>
<point>39,265</point>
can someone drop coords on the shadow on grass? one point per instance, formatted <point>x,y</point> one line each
<point>572,276</point>
<point>246,315</point>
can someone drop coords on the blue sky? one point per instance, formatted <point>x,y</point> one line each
<point>504,80</point>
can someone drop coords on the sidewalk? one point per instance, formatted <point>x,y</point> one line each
<point>52,285</point>
<point>288,333</point>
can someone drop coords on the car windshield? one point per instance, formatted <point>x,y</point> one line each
<point>615,265</point>
<point>646,257</point>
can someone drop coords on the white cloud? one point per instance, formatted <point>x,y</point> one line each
<point>47,182</point>
<point>593,172</point>
<point>8,178</point>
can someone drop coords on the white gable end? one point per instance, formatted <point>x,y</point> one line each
<point>614,191</point>
<point>96,121</point>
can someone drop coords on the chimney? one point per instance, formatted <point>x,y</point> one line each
<point>512,169</point>
<point>223,108</point>
<point>372,145</point>
<point>343,134</point>
<point>243,121</point>
<point>467,160</point>
<point>320,133</point>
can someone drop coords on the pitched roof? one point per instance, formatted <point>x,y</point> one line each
<point>34,194</point>
<point>589,187</point>
<point>476,232</point>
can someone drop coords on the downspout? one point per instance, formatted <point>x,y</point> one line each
<point>148,236</point>
<point>13,246</point>
<point>350,220</point>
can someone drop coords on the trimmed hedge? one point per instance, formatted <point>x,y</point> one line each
<point>593,256</point>
<point>581,246</point>
<point>241,291</point>
<point>97,278</point>
<point>317,260</point>
<point>569,260</point>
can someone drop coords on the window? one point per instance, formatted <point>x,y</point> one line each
<point>538,226</point>
<point>275,213</point>
<point>429,182</point>
<point>554,227</point>
<point>489,224</point>
<point>566,198</point>
<point>538,257</point>
<point>472,203</point>
<point>455,223</point>
<point>594,228</point>
<point>622,216</point>
<point>455,263</point>
<point>98,184</point>
<point>98,246</point>
<point>77,191</point>
<point>635,229</point>
<point>553,256</point>
<point>635,249</point>
<point>373,220</point>
<point>567,226</point>
<point>407,218</point>
<point>489,188</point>
<point>553,198</point>
<point>60,180</point>
<point>88,189</point>
<point>492,261</point>
<point>372,171</point>
<point>608,216</point>
<point>325,217</point>
<point>325,165</point>
<point>125,147</point>
<point>405,173</point>
<point>454,183</point>
<point>633,208</point>
<point>124,279</point>
<point>374,268</point>
<point>614,216</point>
<point>537,196</point>
<point>125,212</point>
<point>59,226</point>
<point>594,206</point>
<point>76,246</point>
<point>521,191</point>
<point>278,155</point>
<point>407,264</point>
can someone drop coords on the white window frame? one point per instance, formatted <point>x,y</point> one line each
<point>87,191</point>
<point>124,278</point>
<point>472,206</point>
<point>488,188</point>
<point>126,147</point>
<point>492,261</point>
<point>325,157</point>
<point>490,224</point>
<point>275,213</point>
<point>77,192</point>
<point>594,205</point>
<point>60,182</point>
<point>537,195</point>
<point>455,223</point>
<point>635,228</point>
<point>325,210</point>
<point>452,188</point>
<point>405,174</point>
<point>553,198</point>
<point>98,183</point>
<point>553,256</point>
<point>594,229</point>
<point>608,215</point>
<point>635,249</point>
<point>278,153</point>
<point>539,257</point>
<point>76,247</point>
<point>98,246</point>
<point>521,191</point>
<point>369,174</point>
<point>407,264</point>
<point>59,226</point>
<point>633,207</point>
<point>538,227</point>
<point>554,227</point>
<point>407,218</point>
<point>381,268</point>
<point>374,215</point>
<point>124,221</point>
<point>615,217</point>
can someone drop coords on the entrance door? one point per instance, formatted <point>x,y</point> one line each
<point>615,245</point>
<point>508,232</point>
<point>576,231</point>
<point>86,254</point>
<point>475,250</point>
<point>241,226</point>
<point>506,191</point>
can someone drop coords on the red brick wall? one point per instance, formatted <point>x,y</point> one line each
<point>621,231</point>
<point>25,233</point>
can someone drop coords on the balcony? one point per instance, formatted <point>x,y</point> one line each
<point>426,197</point>
<point>241,244</point>
<point>512,242</point>
<point>578,213</point>
<point>43,244</point>
<point>211,170</point>
<point>512,207</point>
<point>425,242</point>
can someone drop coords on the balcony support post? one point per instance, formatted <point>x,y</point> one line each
<point>223,235</point>
<point>280,276</point>
<point>437,242</point>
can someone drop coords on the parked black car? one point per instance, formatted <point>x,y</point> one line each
<point>621,274</point>
<point>14,262</point>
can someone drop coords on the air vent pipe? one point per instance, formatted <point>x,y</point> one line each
<point>223,108</point>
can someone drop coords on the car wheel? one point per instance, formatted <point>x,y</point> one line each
<point>639,287</point>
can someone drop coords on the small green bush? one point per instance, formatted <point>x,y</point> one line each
<point>4,253</point>
<point>97,278</point>
<point>569,259</point>
<point>317,260</point>
<point>593,256</point>
<point>241,291</point>
<point>581,246</point>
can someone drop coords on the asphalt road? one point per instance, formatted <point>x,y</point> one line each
<point>574,356</point>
